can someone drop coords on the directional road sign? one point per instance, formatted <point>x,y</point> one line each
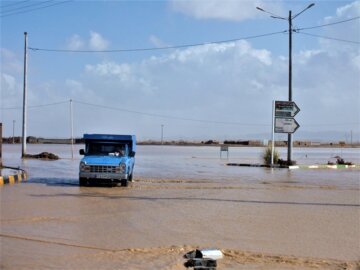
<point>285,125</point>
<point>286,109</point>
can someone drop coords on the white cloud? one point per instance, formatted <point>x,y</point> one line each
<point>238,49</point>
<point>305,56</point>
<point>334,70</point>
<point>356,62</point>
<point>345,31</point>
<point>76,88</point>
<point>75,42</point>
<point>257,84</point>
<point>8,82</point>
<point>157,42</point>
<point>10,92</point>
<point>11,71</point>
<point>350,11</point>
<point>235,81</point>
<point>121,71</point>
<point>94,42</point>
<point>97,42</point>
<point>10,62</point>
<point>121,78</point>
<point>183,79</point>
<point>232,10</point>
<point>262,55</point>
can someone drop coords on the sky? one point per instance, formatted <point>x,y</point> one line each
<point>132,67</point>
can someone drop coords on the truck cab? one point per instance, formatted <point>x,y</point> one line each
<point>108,159</point>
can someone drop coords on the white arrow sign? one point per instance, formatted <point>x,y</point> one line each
<point>286,109</point>
<point>285,125</point>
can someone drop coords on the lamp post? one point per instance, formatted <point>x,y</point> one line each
<point>23,148</point>
<point>289,19</point>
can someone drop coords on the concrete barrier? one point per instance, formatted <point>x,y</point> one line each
<point>316,166</point>
<point>326,166</point>
<point>13,178</point>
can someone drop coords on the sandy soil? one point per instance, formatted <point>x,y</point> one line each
<point>154,222</point>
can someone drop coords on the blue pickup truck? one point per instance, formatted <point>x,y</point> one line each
<point>108,159</point>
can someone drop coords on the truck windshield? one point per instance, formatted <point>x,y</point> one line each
<point>104,149</point>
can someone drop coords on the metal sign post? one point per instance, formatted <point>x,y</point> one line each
<point>224,148</point>
<point>273,134</point>
<point>283,120</point>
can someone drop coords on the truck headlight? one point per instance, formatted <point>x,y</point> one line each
<point>122,168</point>
<point>84,167</point>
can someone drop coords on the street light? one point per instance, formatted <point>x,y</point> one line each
<point>289,19</point>
<point>24,115</point>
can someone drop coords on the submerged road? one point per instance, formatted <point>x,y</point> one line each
<point>281,219</point>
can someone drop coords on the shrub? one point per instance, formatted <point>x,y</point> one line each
<point>267,156</point>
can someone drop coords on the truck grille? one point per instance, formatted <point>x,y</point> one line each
<point>102,169</point>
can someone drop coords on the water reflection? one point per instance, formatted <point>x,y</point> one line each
<point>194,163</point>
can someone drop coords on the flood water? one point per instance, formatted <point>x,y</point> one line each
<point>182,197</point>
<point>196,163</point>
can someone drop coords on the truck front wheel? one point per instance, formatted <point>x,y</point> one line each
<point>82,182</point>
<point>124,182</point>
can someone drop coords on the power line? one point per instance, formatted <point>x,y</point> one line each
<point>33,9</point>
<point>186,45</point>
<point>26,6</point>
<point>331,38</point>
<point>36,106</point>
<point>160,48</point>
<point>328,24</point>
<point>167,116</point>
<point>14,4</point>
<point>136,112</point>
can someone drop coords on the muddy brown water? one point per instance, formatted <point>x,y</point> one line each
<point>182,198</point>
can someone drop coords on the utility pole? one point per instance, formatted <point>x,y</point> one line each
<point>72,130</point>
<point>289,19</point>
<point>290,141</point>
<point>162,134</point>
<point>13,140</point>
<point>23,152</point>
